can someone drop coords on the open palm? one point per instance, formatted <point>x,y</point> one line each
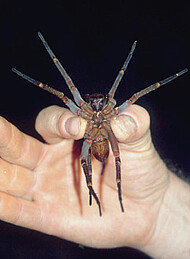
<point>43,188</point>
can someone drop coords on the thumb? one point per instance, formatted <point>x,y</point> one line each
<point>55,123</point>
<point>132,127</point>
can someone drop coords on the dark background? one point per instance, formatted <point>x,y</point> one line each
<point>92,40</point>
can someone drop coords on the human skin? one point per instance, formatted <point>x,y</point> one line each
<point>39,188</point>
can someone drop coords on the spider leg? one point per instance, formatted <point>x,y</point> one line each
<point>84,162</point>
<point>103,167</point>
<point>147,90</point>
<point>77,97</point>
<point>121,72</point>
<point>71,105</point>
<point>90,174</point>
<point>115,149</point>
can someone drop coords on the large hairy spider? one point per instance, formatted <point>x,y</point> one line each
<point>97,111</point>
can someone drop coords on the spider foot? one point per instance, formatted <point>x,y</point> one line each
<point>96,199</point>
<point>119,195</point>
<point>89,184</point>
<point>90,199</point>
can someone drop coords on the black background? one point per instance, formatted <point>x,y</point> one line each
<point>92,40</point>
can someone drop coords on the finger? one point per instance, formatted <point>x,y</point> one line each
<point>16,180</point>
<point>131,125</point>
<point>19,211</point>
<point>55,123</point>
<point>17,147</point>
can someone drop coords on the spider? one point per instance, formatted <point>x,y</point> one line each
<point>97,111</point>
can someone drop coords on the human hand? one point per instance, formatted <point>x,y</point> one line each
<point>41,190</point>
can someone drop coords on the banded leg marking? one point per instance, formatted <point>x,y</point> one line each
<point>77,97</point>
<point>121,72</point>
<point>147,90</point>
<point>70,104</point>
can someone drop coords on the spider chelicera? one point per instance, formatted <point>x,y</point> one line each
<point>97,111</point>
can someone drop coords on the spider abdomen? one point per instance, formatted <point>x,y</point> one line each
<point>100,149</point>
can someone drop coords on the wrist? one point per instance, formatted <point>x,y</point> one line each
<point>171,238</point>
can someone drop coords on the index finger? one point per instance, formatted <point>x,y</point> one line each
<point>17,147</point>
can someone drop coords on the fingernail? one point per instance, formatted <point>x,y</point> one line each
<point>128,126</point>
<point>129,123</point>
<point>72,126</point>
<point>125,127</point>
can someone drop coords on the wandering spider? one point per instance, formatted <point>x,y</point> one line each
<point>97,111</point>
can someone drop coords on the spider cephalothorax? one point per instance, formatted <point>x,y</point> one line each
<point>97,101</point>
<point>97,111</point>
